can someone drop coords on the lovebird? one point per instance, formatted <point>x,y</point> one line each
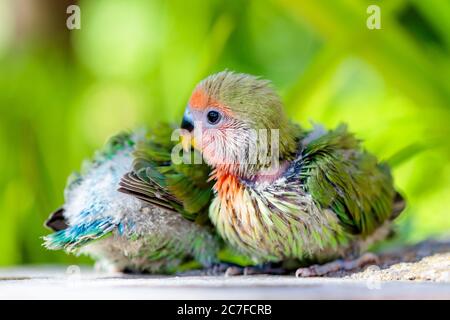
<point>282,193</point>
<point>155,228</point>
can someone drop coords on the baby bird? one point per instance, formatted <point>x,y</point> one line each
<point>129,208</point>
<point>282,193</point>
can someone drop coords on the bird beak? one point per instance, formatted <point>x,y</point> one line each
<point>187,137</point>
<point>188,122</point>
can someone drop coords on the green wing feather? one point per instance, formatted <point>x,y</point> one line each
<point>183,188</point>
<point>341,176</point>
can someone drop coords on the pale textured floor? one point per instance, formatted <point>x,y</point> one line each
<point>48,283</point>
<point>418,272</point>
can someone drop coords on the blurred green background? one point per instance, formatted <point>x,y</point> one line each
<point>63,93</point>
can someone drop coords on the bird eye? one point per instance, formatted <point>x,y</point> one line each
<point>213,117</point>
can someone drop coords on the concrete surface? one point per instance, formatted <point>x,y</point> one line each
<point>48,283</point>
<point>417,272</point>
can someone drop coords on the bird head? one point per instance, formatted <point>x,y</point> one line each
<point>238,123</point>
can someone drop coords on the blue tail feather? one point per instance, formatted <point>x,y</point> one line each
<point>77,235</point>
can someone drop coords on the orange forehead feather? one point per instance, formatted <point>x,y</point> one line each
<point>200,100</point>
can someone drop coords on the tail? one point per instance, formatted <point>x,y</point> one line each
<point>92,202</point>
<point>78,235</point>
<point>57,220</point>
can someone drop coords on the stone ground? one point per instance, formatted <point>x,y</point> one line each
<point>417,272</point>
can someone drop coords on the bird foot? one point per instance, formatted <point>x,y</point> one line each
<point>216,269</point>
<point>230,270</point>
<point>254,270</point>
<point>337,265</point>
<point>220,268</point>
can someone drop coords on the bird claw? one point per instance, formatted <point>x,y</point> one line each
<point>337,265</point>
<point>254,270</point>
<point>306,272</point>
<point>234,271</point>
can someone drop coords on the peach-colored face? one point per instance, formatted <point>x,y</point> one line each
<point>215,130</point>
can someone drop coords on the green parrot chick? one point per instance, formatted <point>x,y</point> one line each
<point>281,192</point>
